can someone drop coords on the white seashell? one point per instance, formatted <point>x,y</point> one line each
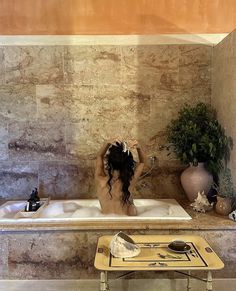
<point>232,215</point>
<point>122,246</point>
<point>201,203</point>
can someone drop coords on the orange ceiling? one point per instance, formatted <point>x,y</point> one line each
<point>116,16</point>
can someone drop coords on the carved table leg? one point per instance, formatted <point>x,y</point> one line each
<point>188,281</point>
<point>103,281</point>
<point>209,281</point>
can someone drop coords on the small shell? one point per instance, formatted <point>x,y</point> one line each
<point>232,215</point>
<point>201,203</point>
<point>122,246</point>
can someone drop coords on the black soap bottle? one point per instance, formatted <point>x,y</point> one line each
<point>33,203</point>
<point>37,199</point>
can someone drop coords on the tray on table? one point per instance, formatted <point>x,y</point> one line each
<point>155,255</point>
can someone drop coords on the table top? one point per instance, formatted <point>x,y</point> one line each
<point>155,255</point>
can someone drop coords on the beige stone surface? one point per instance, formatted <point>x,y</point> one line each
<point>153,67</point>
<point>163,183</point>
<point>61,103</point>
<point>33,64</point>
<point>195,70</point>
<point>51,103</point>
<point>3,142</point>
<point>195,65</point>
<point>116,112</point>
<point>36,141</point>
<point>66,180</point>
<point>2,67</point>
<point>224,90</point>
<point>17,179</point>
<point>17,102</point>
<point>3,256</point>
<point>93,64</point>
<point>47,255</point>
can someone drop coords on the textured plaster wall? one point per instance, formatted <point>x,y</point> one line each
<point>224,89</point>
<point>59,103</point>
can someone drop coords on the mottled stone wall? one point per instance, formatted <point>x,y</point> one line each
<point>59,103</point>
<point>224,89</point>
<point>70,254</point>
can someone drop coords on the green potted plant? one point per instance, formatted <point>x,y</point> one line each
<point>225,192</point>
<point>198,139</point>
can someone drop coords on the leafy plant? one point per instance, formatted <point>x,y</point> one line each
<point>224,187</point>
<point>197,136</point>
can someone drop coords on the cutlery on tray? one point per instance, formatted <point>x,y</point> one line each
<point>169,256</point>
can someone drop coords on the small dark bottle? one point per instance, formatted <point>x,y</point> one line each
<point>33,203</point>
<point>36,198</point>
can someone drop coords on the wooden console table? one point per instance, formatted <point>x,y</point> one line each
<point>156,256</point>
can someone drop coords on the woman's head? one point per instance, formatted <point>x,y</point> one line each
<point>122,161</point>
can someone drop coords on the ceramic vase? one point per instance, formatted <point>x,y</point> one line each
<point>223,205</point>
<point>196,179</point>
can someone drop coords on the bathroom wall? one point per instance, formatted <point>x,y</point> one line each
<point>224,89</point>
<point>58,104</point>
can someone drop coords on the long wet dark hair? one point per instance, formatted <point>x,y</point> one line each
<point>123,162</point>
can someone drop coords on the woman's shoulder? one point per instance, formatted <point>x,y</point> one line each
<point>102,180</point>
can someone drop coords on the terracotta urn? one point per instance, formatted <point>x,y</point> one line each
<point>196,179</point>
<point>223,205</point>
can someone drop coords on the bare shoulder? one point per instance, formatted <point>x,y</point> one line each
<point>101,180</point>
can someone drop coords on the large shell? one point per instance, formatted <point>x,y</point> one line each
<point>201,203</point>
<point>122,246</point>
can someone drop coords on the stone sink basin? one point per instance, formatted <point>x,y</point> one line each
<point>89,210</point>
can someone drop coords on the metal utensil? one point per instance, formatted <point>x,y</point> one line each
<point>169,256</point>
<point>193,253</point>
<point>151,245</point>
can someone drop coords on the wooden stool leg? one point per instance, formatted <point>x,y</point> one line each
<point>188,281</point>
<point>103,281</point>
<point>209,281</point>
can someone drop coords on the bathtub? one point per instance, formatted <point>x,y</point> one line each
<point>89,210</point>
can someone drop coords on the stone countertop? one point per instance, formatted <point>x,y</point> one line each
<point>199,221</point>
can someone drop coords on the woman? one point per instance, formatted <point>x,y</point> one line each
<point>114,188</point>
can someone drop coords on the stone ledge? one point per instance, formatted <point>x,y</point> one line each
<point>200,221</point>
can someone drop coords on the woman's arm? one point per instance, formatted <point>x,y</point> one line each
<point>142,160</point>
<point>132,210</point>
<point>141,156</point>
<point>99,168</point>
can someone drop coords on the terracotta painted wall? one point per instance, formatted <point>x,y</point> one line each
<point>116,17</point>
